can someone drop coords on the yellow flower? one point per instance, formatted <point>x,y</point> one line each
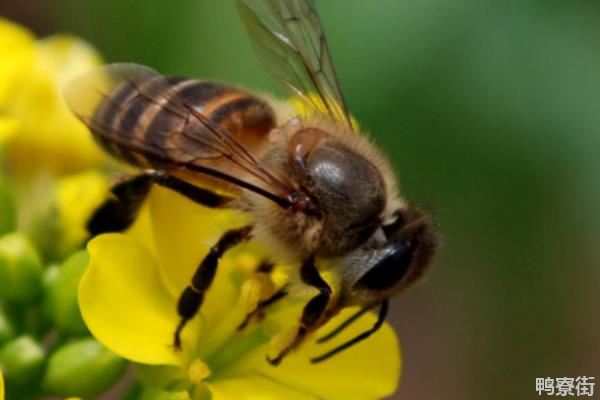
<point>128,297</point>
<point>32,74</point>
<point>1,386</point>
<point>77,196</point>
<point>54,212</point>
<point>8,127</point>
<point>19,45</point>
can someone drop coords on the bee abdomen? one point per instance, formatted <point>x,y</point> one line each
<point>151,126</point>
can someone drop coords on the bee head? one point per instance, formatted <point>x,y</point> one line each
<point>395,258</point>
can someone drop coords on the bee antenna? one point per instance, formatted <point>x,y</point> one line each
<point>345,324</point>
<point>383,310</point>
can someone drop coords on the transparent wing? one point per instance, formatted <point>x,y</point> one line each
<point>289,40</point>
<point>185,137</point>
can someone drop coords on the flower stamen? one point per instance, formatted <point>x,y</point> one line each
<point>254,290</point>
<point>198,371</point>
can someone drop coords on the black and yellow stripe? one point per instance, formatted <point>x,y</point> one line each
<point>139,116</point>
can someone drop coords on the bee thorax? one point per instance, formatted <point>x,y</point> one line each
<point>349,191</point>
<point>347,198</point>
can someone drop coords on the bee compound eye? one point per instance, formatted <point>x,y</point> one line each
<point>390,269</point>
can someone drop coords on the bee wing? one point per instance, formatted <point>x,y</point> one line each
<point>105,91</point>
<point>289,39</point>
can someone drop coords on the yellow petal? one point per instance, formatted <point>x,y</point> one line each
<point>8,128</point>
<point>1,386</point>
<point>77,196</point>
<point>49,132</point>
<point>67,57</point>
<point>17,52</point>
<point>258,387</point>
<point>368,370</point>
<point>125,304</point>
<point>141,230</point>
<point>183,233</point>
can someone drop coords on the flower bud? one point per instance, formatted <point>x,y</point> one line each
<point>50,275</point>
<point>22,360</point>
<point>8,208</point>
<point>59,228</point>
<point>158,376</point>
<point>61,293</point>
<point>158,394</point>
<point>83,368</point>
<point>20,269</point>
<point>7,330</point>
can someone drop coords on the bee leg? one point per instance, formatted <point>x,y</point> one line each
<point>191,299</point>
<point>199,195</point>
<point>359,338</point>
<point>313,311</point>
<point>118,212</point>
<point>262,305</point>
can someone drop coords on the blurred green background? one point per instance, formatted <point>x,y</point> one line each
<point>490,110</point>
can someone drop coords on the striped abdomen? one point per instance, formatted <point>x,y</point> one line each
<point>144,122</point>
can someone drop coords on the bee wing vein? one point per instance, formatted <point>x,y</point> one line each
<point>212,142</point>
<point>290,40</point>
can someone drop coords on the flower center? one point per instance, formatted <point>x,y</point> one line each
<point>198,371</point>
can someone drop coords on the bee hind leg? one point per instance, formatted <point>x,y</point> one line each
<point>119,211</point>
<point>313,312</point>
<point>193,295</point>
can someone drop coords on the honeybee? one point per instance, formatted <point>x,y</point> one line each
<point>318,191</point>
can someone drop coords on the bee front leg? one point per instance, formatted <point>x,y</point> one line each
<point>118,212</point>
<point>314,310</point>
<point>192,297</point>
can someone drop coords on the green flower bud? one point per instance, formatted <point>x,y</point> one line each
<point>50,274</point>
<point>8,208</point>
<point>20,269</point>
<point>22,360</point>
<point>61,291</point>
<point>83,368</point>
<point>158,394</point>
<point>158,376</point>
<point>7,330</point>
<point>45,234</point>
